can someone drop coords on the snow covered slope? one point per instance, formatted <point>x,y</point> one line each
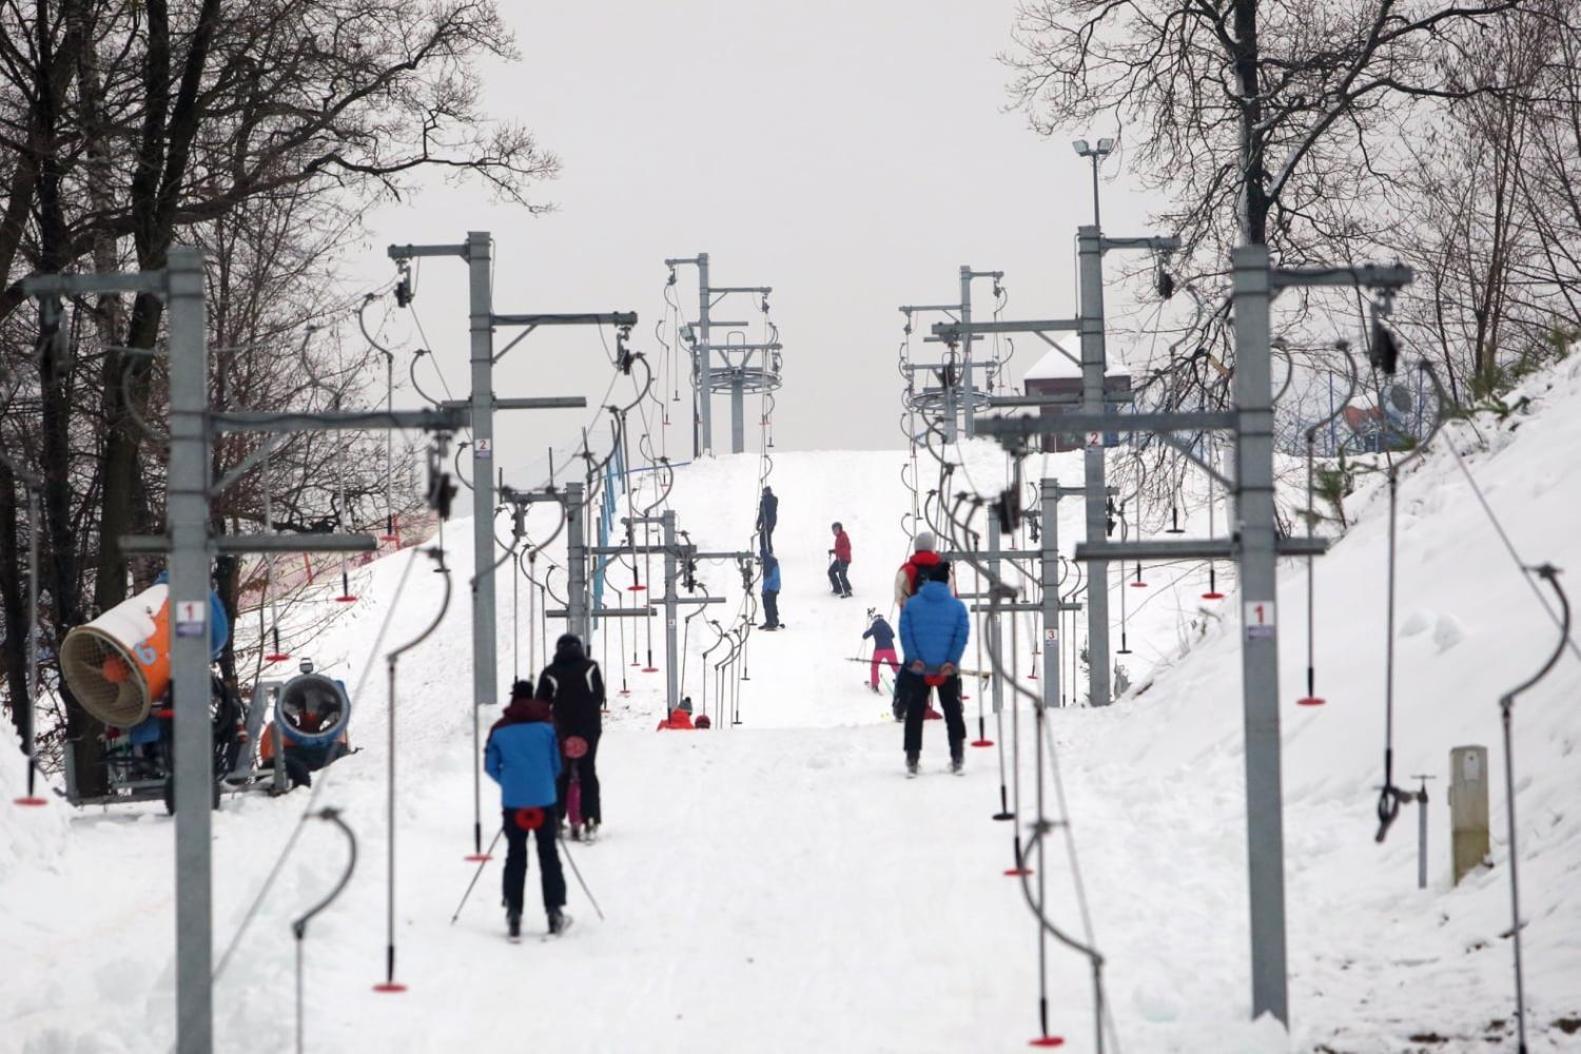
<point>779,886</point>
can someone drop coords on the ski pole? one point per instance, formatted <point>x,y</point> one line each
<point>579,880</point>
<point>482,863</point>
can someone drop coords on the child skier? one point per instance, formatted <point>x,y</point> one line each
<point>934,628</point>
<point>841,562</point>
<point>680,719</point>
<point>771,593</point>
<point>574,686</point>
<point>523,757</point>
<point>883,646</point>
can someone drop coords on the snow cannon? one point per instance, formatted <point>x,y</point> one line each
<point>312,711</point>
<point>311,714</point>
<point>118,665</point>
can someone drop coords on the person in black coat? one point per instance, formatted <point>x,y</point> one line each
<point>768,516</point>
<point>574,686</point>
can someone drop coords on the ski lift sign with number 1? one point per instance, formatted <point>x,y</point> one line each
<point>1260,621</point>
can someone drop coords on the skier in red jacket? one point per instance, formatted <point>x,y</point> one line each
<point>841,563</point>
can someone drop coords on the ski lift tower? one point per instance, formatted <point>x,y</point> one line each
<point>748,368</point>
<point>956,397</point>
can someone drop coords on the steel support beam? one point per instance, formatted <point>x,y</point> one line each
<point>1093,363</point>
<point>995,637</point>
<point>480,328</point>
<point>966,381</point>
<point>578,620</point>
<point>1193,549</point>
<point>672,651</point>
<point>738,413</point>
<point>1256,525</point>
<point>258,543</point>
<point>1048,578</point>
<point>705,359</point>
<point>187,514</point>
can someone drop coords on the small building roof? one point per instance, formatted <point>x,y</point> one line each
<point>1064,362</point>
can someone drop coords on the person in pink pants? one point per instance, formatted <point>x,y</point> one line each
<point>883,638</point>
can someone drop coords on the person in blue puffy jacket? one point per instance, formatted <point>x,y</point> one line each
<point>523,757</point>
<point>771,593</point>
<point>934,628</point>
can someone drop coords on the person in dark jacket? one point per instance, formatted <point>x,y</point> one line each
<point>934,628</point>
<point>883,646</point>
<point>841,562</point>
<point>768,516</point>
<point>574,686</point>
<point>771,593</point>
<point>523,757</point>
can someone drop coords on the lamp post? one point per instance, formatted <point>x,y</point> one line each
<point>1104,148</point>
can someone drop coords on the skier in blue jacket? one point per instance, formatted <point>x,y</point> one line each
<point>934,628</point>
<point>523,757</point>
<point>771,593</point>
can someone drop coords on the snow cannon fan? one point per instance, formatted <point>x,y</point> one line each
<point>312,710</point>
<point>118,665</point>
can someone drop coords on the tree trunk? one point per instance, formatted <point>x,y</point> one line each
<point>13,603</point>
<point>1254,195</point>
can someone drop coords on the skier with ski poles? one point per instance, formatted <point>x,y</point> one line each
<point>573,685</point>
<point>841,562</point>
<point>883,638</point>
<point>523,757</point>
<point>934,628</point>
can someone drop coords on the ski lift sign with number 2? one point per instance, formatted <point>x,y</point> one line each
<point>1259,620</point>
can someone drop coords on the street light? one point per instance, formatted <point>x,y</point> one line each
<point>1104,148</point>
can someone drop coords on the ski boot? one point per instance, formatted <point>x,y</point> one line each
<point>911,766</point>
<point>513,924</point>
<point>559,922</point>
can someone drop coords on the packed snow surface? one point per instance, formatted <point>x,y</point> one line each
<point>779,885</point>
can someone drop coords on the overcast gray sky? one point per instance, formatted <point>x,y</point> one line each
<point>850,154</point>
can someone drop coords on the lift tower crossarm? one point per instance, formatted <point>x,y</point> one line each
<point>1153,244</point>
<point>951,332</point>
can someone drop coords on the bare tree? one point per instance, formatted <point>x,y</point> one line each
<point>127,124</point>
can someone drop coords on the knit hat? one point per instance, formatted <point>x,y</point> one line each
<point>924,541</point>
<point>521,690</point>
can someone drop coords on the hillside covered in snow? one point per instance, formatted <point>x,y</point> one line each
<point>778,885</point>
